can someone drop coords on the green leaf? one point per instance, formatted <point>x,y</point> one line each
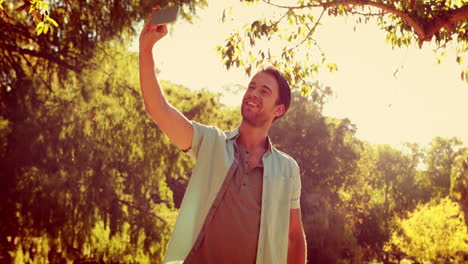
<point>52,21</point>
<point>40,28</point>
<point>332,67</point>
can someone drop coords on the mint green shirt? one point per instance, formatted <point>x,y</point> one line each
<point>213,151</point>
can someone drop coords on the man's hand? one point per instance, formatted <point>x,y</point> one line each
<point>151,33</point>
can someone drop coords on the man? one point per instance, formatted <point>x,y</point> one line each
<point>242,201</point>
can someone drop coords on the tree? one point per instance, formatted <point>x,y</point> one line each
<point>384,188</point>
<point>354,193</point>
<point>62,174</point>
<point>85,172</point>
<point>84,25</point>
<point>459,182</point>
<point>439,160</point>
<point>406,22</point>
<point>39,12</point>
<point>433,232</point>
<point>327,152</point>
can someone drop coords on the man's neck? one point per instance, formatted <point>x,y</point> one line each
<point>253,138</point>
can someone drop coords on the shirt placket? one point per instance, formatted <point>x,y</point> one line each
<point>265,185</point>
<point>245,166</point>
<point>213,209</point>
<point>246,170</point>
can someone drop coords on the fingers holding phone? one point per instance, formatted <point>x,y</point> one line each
<point>166,15</point>
<point>156,28</point>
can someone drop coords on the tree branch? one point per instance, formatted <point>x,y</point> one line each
<point>415,23</point>
<point>40,55</point>
<point>132,91</point>
<point>141,210</point>
<point>381,13</point>
<point>446,20</point>
<point>291,7</point>
<point>423,28</point>
<point>311,30</point>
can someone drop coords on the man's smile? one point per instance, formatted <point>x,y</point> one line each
<point>252,103</point>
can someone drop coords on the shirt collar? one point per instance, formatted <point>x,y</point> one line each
<point>234,134</point>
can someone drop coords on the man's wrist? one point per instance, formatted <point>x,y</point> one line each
<point>145,51</point>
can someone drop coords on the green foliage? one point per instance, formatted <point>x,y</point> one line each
<point>459,176</point>
<point>433,232</point>
<point>40,9</point>
<point>29,44</point>
<point>39,13</point>
<point>4,131</point>
<point>459,182</point>
<point>383,187</point>
<point>85,170</point>
<point>87,176</point>
<point>293,24</point>
<point>353,193</point>
<point>440,158</point>
<point>326,152</point>
<point>293,29</point>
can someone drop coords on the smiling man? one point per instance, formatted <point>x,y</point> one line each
<point>242,201</point>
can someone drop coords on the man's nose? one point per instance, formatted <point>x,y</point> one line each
<point>254,93</point>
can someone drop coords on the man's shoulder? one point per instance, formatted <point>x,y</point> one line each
<point>284,157</point>
<point>210,130</point>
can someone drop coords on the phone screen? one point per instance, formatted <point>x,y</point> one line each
<point>166,15</point>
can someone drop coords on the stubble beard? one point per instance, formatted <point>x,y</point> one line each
<point>253,119</point>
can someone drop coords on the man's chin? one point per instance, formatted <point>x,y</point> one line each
<point>248,111</point>
<point>247,114</point>
<point>253,121</point>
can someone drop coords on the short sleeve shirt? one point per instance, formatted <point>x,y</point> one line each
<point>232,234</point>
<point>214,153</point>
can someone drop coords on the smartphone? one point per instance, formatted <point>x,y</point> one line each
<point>166,15</point>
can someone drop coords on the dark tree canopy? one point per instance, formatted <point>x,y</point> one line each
<point>82,27</point>
<point>83,166</point>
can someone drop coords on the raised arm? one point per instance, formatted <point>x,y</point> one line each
<point>174,124</point>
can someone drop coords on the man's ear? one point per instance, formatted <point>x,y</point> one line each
<point>279,110</point>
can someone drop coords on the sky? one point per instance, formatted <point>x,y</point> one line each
<point>421,101</point>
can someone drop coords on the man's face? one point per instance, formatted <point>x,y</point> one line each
<point>259,103</point>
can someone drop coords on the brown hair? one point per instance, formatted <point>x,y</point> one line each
<point>284,97</point>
